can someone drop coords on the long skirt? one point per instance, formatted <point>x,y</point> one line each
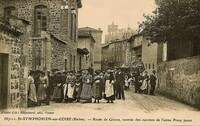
<point>97,91</point>
<point>57,94</point>
<point>77,91</point>
<point>109,91</point>
<point>41,94</point>
<point>70,91</point>
<point>144,85</point>
<point>32,93</point>
<point>65,91</point>
<point>86,93</point>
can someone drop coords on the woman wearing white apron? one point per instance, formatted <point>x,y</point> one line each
<point>109,86</point>
<point>70,87</point>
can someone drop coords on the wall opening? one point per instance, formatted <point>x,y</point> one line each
<point>3,81</point>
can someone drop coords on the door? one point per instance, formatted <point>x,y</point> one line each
<point>3,80</point>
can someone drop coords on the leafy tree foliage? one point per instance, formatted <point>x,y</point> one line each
<point>172,21</point>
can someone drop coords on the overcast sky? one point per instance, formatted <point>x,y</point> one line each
<point>101,13</point>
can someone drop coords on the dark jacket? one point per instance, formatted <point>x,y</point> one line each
<point>120,78</point>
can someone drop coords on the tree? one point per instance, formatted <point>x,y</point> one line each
<point>172,21</point>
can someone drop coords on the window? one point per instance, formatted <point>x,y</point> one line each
<point>149,66</point>
<point>8,11</point>
<point>146,66</point>
<point>153,66</point>
<point>72,17</point>
<point>70,60</point>
<point>74,63</point>
<point>40,19</point>
<point>75,27</point>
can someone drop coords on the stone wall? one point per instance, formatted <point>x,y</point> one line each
<point>97,49</point>
<point>89,44</point>
<point>58,52</point>
<point>180,79</point>
<point>12,44</point>
<point>59,23</point>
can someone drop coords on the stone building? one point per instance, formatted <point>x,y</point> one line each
<point>114,33</point>
<point>53,22</point>
<point>149,53</point>
<point>105,56</point>
<point>85,50</point>
<point>34,34</point>
<point>116,54</point>
<point>14,56</point>
<point>97,35</point>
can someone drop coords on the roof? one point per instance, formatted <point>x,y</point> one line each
<point>134,36</point>
<point>19,18</point>
<point>83,51</point>
<point>114,41</point>
<point>118,40</point>
<point>55,37</point>
<point>89,29</point>
<point>6,27</point>
<point>82,34</point>
<point>105,45</point>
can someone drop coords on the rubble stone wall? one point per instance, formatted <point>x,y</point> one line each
<point>181,79</point>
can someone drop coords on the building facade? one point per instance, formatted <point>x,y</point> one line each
<point>34,35</point>
<point>116,54</point>
<point>14,57</point>
<point>143,50</point>
<point>97,35</point>
<point>53,21</point>
<point>85,50</point>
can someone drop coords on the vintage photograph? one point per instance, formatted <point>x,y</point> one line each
<point>100,62</point>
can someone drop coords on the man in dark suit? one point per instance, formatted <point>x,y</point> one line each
<point>120,82</point>
<point>153,79</point>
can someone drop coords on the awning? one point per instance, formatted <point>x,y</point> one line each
<point>83,51</point>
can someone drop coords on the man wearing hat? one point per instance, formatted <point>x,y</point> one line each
<point>153,79</point>
<point>120,83</point>
<point>78,86</point>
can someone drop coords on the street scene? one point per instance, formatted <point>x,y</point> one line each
<point>106,61</point>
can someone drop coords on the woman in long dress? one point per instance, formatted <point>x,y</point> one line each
<point>70,87</point>
<point>109,86</point>
<point>41,94</point>
<point>86,94</point>
<point>32,98</point>
<point>97,87</point>
<point>78,86</point>
<point>58,88</point>
<point>144,86</point>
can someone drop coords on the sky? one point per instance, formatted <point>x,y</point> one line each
<point>124,13</point>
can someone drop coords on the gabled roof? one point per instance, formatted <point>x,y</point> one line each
<point>134,36</point>
<point>82,34</point>
<point>89,29</point>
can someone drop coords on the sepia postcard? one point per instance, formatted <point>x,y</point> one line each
<point>99,62</point>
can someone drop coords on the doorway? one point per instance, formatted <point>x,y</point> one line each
<point>3,80</point>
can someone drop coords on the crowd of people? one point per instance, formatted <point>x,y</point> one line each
<point>85,85</point>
